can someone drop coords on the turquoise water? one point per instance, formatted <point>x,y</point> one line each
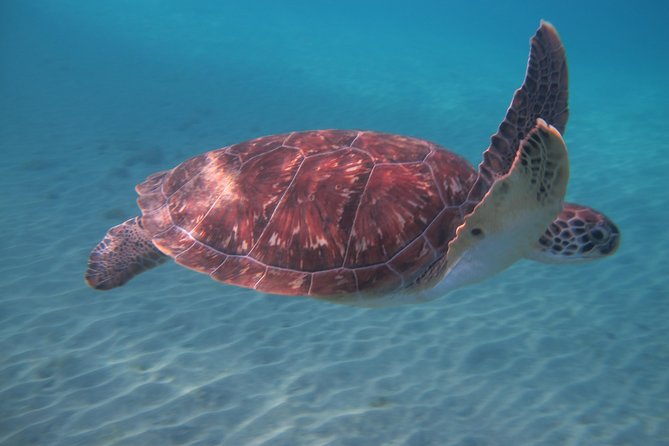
<point>95,96</point>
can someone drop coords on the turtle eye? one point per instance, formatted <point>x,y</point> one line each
<point>599,234</point>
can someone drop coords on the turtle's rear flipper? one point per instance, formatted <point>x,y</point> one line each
<point>579,233</point>
<point>125,251</point>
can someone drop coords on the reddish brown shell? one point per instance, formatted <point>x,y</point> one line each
<point>319,213</point>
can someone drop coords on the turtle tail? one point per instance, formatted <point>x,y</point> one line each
<point>125,251</point>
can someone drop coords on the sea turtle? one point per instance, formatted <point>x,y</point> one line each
<point>368,218</point>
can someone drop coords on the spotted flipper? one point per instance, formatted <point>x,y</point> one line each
<point>514,213</point>
<point>543,94</point>
<point>578,234</point>
<point>125,251</point>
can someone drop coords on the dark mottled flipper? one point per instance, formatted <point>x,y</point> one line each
<point>123,253</point>
<point>544,95</point>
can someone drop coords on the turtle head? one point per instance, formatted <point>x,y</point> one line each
<point>577,234</point>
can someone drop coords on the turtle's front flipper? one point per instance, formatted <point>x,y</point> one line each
<point>578,234</point>
<point>544,94</point>
<point>504,226</point>
<point>125,251</point>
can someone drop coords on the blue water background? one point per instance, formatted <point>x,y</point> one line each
<point>95,96</point>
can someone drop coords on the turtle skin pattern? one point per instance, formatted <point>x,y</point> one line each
<point>318,213</point>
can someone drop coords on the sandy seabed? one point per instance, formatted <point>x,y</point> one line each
<point>537,355</point>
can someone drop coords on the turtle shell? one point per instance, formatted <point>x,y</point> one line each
<point>317,213</point>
